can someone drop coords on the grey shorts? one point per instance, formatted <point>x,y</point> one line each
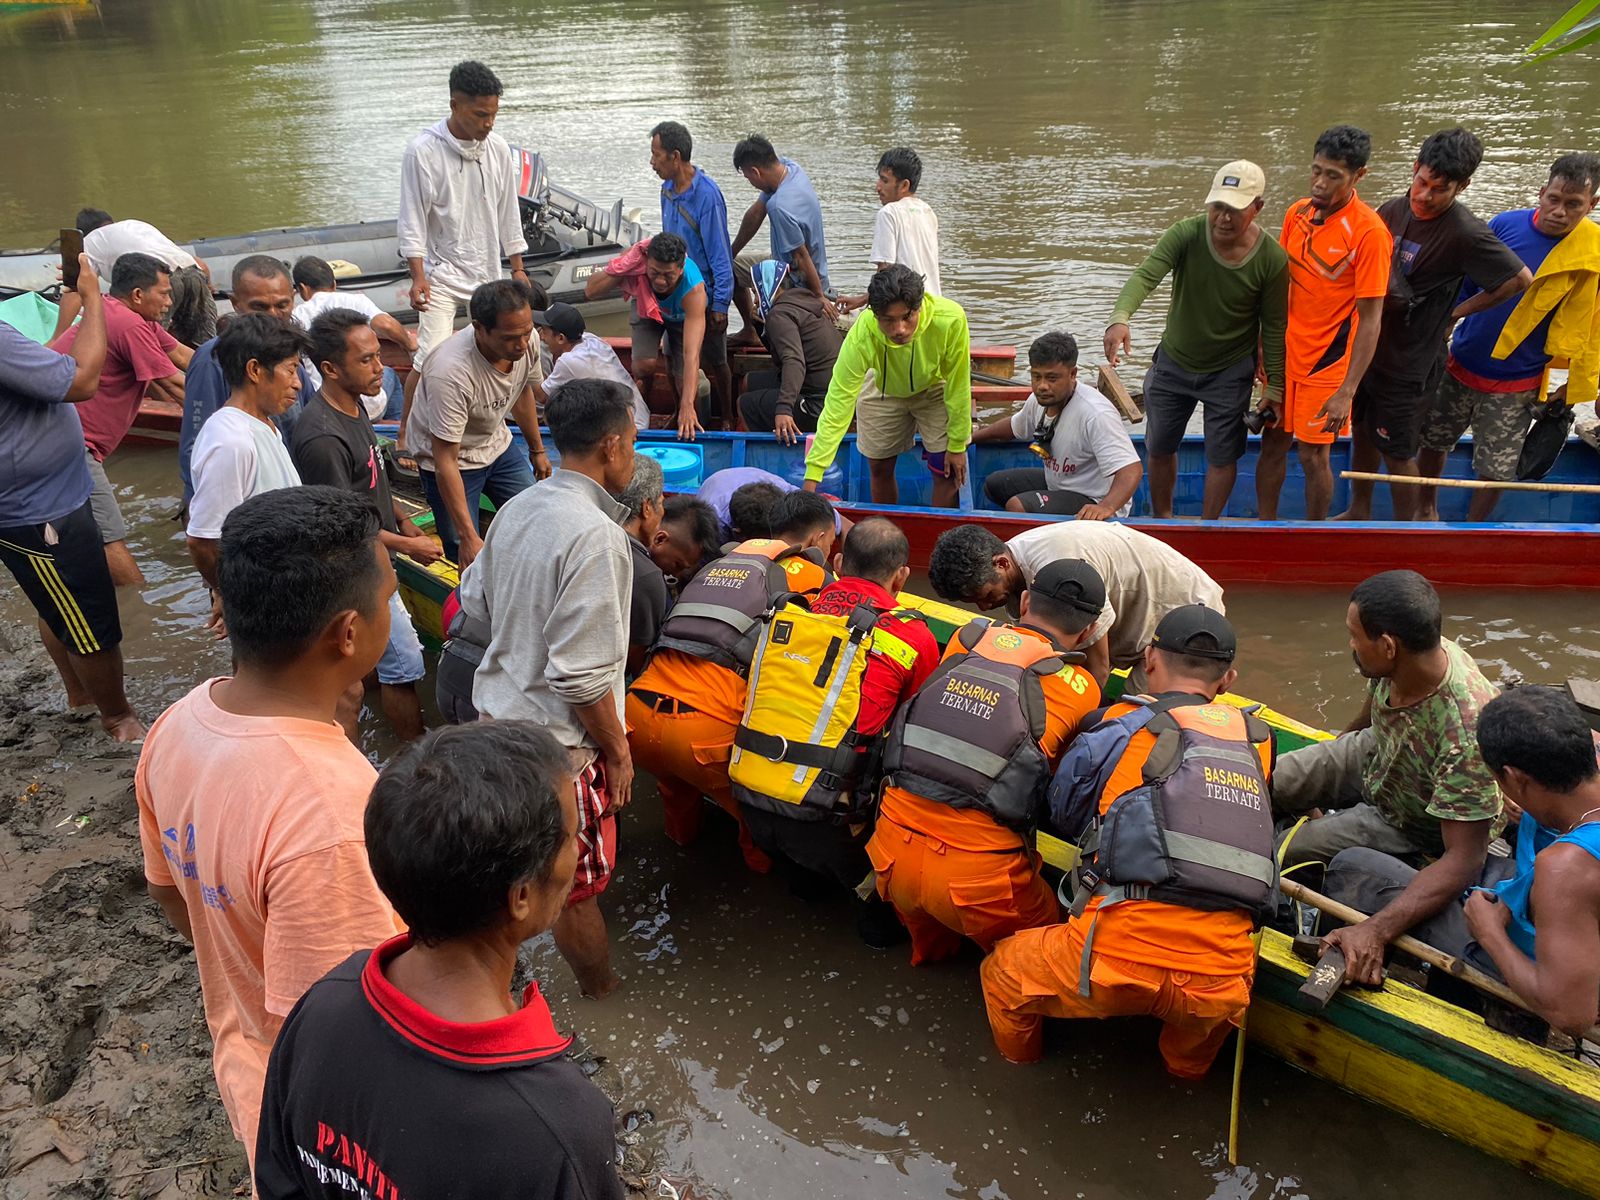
<point>103,503</point>
<point>1170,394</point>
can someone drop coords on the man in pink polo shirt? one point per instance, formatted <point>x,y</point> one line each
<point>141,358</point>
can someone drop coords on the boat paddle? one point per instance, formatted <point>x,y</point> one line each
<point>1406,944</point>
<point>1583,489</point>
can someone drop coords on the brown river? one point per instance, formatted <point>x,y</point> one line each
<point>779,1057</point>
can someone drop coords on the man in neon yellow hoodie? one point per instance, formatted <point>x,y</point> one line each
<point>919,355</point>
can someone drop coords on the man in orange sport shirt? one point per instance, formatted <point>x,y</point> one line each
<point>950,849</point>
<point>683,708</point>
<point>1187,958</point>
<point>1339,252</point>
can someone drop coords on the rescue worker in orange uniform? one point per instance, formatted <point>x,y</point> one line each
<point>820,700</point>
<point>683,708</point>
<point>1167,797</point>
<point>968,762</point>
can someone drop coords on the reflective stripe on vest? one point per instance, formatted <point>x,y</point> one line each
<point>970,736</point>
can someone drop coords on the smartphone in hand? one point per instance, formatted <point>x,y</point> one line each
<point>71,247</point>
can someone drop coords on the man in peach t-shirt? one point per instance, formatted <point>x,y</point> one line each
<point>251,798</point>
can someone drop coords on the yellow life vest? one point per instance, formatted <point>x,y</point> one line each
<point>797,746</point>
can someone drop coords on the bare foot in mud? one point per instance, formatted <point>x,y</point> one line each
<point>126,728</point>
<point>603,989</point>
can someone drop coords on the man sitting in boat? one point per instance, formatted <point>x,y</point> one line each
<point>1499,362</point>
<point>804,343</point>
<point>1170,785</point>
<point>1406,777</point>
<point>966,767</point>
<point>1230,295</point>
<point>457,424</point>
<point>904,371</point>
<point>1090,469</point>
<point>575,353</point>
<point>804,767</point>
<point>668,299</point>
<point>684,707</point>
<point>1145,579</point>
<point>1534,920</point>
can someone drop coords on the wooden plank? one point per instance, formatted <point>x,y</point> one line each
<point>1586,694</point>
<point>1111,386</point>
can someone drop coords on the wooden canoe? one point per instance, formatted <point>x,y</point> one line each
<point>1398,1046</point>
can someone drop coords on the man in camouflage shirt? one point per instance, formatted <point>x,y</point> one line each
<point>1405,779</point>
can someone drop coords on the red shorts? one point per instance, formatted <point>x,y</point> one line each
<point>597,836</point>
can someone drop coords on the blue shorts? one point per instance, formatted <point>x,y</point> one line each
<point>402,657</point>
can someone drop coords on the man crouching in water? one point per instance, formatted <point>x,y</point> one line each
<point>1171,785</point>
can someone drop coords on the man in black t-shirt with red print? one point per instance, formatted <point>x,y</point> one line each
<point>1438,243</point>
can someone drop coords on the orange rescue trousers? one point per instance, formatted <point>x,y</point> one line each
<point>943,893</point>
<point>687,752</point>
<point>1034,975</point>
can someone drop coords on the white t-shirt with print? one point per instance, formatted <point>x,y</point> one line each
<point>592,358</point>
<point>235,457</point>
<point>907,232</point>
<point>1090,444</point>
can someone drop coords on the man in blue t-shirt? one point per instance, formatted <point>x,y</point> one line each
<point>789,205</point>
<point>1497,396</point>
<point>665,269</point>
<point>48,537</point>
<point>693,208</point>
<point>261,284</point>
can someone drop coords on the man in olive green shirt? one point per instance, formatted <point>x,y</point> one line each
<point>1230,293</point>
<point>1406,778</point>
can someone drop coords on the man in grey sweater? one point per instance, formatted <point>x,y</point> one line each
<point>553,584</point>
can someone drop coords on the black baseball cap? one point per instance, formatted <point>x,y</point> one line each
<point>1197,630</point>
<point>1073,582</point>
<point>564,319</point>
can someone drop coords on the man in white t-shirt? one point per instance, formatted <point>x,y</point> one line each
<point>192,317</point>
<point>575,353</point>
<point>907,229</point>
<point>1145,579</point>
<point>318,290</point>
<point>1090,470</point>
<point>239,452</point>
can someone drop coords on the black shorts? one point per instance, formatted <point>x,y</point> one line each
<point>647,335</point>
<point>1030,487</point>
<point>61,568</point>
<point>759,405</point>
<point>1393,412</point>
<point>829,848</point>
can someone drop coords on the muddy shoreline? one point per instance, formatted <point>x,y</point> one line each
<point>106,1085</point>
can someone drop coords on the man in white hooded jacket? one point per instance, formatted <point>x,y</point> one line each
<point>458,209</point>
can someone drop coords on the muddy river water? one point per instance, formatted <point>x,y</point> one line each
<point>776,1055</point>
<point>779,1057</point>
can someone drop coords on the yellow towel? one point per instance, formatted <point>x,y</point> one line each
<point>1568,285</point>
